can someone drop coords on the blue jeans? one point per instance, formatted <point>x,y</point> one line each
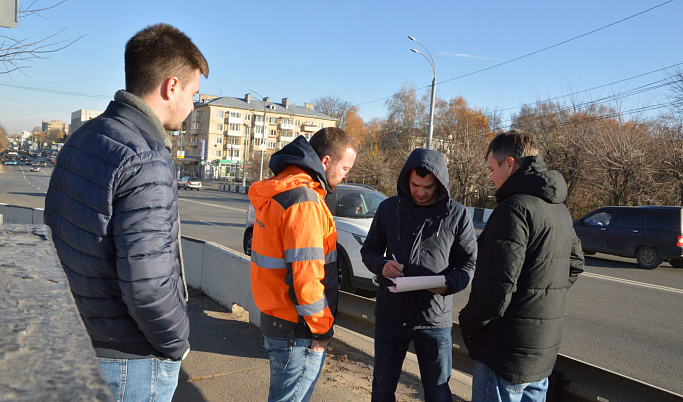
<point>434,351</point>
<point>487,386</point>
<point>294,368</point>
<point>150,379</point>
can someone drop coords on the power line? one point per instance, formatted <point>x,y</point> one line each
<point>56,91</point>
<point>635,91</point>
<point>599,86</point>
<point>613,115</point>
<point>530,54</point>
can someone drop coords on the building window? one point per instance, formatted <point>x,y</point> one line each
<point>273,120</point>
<point>218,154</point>
<point>221,114</point>
<point>246,130</point>
<point>195,125</point>
<point>258,141</point>
<point>247,117</point>
<point>297,122</point>
<point>286,121</point>
<point>273,133</point>
<point>286,133</point>
<point>271,145</point>
<point>296,134</point>
<point>220,127</point>
<point>258,130</point>
<point>258,118</point>
<point>320,125</point>
<point>236,115</point>
<point>235,141</point>
<point>219,140</point>
<point>200,113</point>
<point>234,127</point>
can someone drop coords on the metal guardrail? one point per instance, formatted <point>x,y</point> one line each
<point>572,379</point>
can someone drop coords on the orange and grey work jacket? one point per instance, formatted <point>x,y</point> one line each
<point>294,275</point>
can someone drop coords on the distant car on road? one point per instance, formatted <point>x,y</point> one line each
<point>35,167</point>
<point>28,162</point>
<point>190,182</point>
<point>651,234</point>
<point>42,163</point>
<point>353,207</point>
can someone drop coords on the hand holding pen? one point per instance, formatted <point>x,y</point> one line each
<point>392,268</point>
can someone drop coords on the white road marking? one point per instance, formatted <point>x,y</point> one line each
<point>635,283</point>
<point>213,205</point>
<point>209,223</point>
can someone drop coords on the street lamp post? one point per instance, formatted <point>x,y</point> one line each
<point>262,147</point>
<point>430,59</point>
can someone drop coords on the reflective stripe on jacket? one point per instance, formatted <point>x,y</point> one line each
<point>294,256</point>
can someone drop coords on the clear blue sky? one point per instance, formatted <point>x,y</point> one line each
<point>355,50</point>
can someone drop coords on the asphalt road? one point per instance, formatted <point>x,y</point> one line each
<point>619,316</point>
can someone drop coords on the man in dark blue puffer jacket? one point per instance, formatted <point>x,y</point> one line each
<point>112,206</point>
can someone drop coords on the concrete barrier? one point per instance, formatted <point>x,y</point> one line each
<point>45,352</point>
<point>220,272</point>
<point>23,215</point>
<point>479,215</point>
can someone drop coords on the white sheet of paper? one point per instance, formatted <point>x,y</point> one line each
<point>410,283</point>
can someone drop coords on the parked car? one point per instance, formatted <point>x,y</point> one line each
<point>35,167</point>
<point>651,234</point>
<point>353,207</point>
<point>190,182</point>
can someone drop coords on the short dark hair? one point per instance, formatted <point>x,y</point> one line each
<point>422,171</point>
<point>331,141</point>
<point>159,52</point>
<point>514,143</point>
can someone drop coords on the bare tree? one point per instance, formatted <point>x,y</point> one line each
<point>4,141</point>
<point>560,133</point>
<point>16,53</point>
<point>334,107</point>
<point>462,134</point>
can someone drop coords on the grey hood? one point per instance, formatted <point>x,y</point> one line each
<point>432,160</point>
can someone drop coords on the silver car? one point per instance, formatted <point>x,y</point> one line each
<point>190,182</point>
<point>353,207</point>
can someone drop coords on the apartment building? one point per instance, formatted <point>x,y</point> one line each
<point>224,133</point>
<point>56,130</point>
<point>80,116</point>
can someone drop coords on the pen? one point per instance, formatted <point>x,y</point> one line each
<point>394,255</point>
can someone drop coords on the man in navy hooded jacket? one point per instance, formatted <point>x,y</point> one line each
<point>419,232</point>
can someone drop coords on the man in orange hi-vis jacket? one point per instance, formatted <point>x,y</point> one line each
<point>294,258</point>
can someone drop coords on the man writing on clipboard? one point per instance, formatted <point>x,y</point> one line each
<point>419,232</point>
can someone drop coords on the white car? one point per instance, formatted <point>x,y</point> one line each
<point>353,207</point>
<point>190,182</point>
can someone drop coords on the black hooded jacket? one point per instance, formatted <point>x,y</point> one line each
<point>528,258</point>
<point>438,239</point>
